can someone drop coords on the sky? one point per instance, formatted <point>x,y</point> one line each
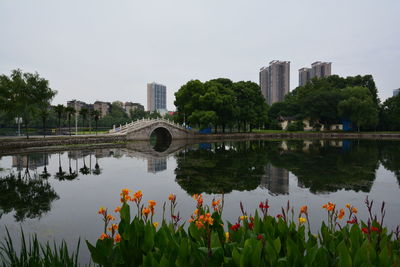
<point>109,50</point>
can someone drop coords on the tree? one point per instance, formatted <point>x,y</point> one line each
<point>358,106</point>
<point>44,114</point>
<point>70,111</point>
<point>390,114</point>
<point>84,113</point>
<point>59,109</point>
<point>22,95</point>
<point>96,116</point>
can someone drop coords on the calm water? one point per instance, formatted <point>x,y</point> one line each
<point>57,194</point>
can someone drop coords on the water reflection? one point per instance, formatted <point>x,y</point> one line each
<point>320,166</point>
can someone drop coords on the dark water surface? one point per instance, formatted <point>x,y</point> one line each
<point>57,194</point>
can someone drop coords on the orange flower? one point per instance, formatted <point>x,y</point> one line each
<point>137,196</point>
<point>110,217</point>
<point>127,197</point>
<point>196,212</point>
<point>199,224</point>
<point>103,236</point>
<point>152,203</point>
<point>215,202</point>
<point>329,207</point>
<point>114,226</point>
<point>348,206</point>
<point>303,209</point>
<point>117,209</point>
<point>172,197</point>
<point>341,214</point>
<point>146,211</point>
<point>354,210</point>
<point>102,210</point>
<point>117,238</point>
<point>124,192</point>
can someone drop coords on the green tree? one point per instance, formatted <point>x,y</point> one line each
<point>44,114</point>
<point>84,112</point>
<point>359,107</point>
<point>96,116</point>
<point>390,114</point>
<point>23,94</point>
<point>59,109</point>
<point>70,111</point>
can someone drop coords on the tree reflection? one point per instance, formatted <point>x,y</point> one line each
<point>221,169</point>
<point>390,157</point>
<point>29,198</point>
<point>321,166</point>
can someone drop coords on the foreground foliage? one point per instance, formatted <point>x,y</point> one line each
<point>259,240</point>
<point>32,253</point>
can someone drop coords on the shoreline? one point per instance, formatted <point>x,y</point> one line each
<point>34,143</point>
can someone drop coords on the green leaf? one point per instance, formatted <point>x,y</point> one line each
<point>277,245</point>
<point>148,237</point>
<point>236,256</point>
<point>344,255</point>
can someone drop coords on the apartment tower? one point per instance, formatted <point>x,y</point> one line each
<point>318,69</point>
<point>275,81</point>
<point>156,97</point>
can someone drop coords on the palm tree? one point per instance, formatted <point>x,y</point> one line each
<point>59,109</point>
<point>96,116</point>
<point>70,111</point>
<point>44,114</point>
<point>84,112</point>
<point>60,175</point>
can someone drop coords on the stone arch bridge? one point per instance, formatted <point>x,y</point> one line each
<point>145,128</point>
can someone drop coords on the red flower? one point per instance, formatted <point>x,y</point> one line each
<point>235,227</point>
<point>263,206</point>
<point>251,225</point>
<point>375,229</point>
<point>352,221</point>
<point>260,236</point>
<point>279,216</point>
<point>365,230</point>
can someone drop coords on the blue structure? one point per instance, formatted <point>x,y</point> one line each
<point>347,125</point>
<point>205,130</point>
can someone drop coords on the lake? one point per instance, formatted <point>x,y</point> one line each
<point>56,194</point>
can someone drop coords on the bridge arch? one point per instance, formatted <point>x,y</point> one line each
<point>160,138</point>
<point>144,129</point>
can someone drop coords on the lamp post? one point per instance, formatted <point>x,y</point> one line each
<point>18,120</point>
<point>76,120</point>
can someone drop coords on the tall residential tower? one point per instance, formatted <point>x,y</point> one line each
<point>156,97</point>
<point>275,81</point>
<point>318,69</point>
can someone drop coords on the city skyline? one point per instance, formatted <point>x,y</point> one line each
<point>93,48</point>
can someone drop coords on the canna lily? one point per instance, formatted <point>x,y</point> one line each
<point>354,210</point>
<point>103,236</point>
<point>226,236</point>
<point>303,209</point>
<point>146,211</point>
<point>110,217</point>
<point>172,197</point>
<point>235,227</point>
<point>137,196</point>
<point>302,220</point>
<point>199,224</point>
<point>155,224</point>
<point>117,209</point>
<point>242,218</point>
<point>102,210</point>
<point>117,238</point>
<point>341,214</point>
<point>152,203</point>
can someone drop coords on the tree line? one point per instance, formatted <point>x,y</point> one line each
<point>331,100</point>
<point>28,96</point>
<point>221,103</point>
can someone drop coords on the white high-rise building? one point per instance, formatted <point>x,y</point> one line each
<point>275,81</point>
<point>156,97</point>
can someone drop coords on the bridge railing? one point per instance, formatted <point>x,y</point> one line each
<point>140,123</point>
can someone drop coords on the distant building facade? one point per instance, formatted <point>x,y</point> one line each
<point>318,69</point>
<point>130,107</point>
<point>396,92</point>
<point>156,97</point>
<point>77,105</point>
<point>304,76</point>
<point>275,81</point>
<point>103,107</point>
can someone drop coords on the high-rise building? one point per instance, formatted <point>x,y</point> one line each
<point>396,92</point>
<point>318,69</point>
<point>275,81</point>
<point>156,97</point>
<point>304,76</point>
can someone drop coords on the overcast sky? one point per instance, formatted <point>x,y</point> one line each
<point>109,50</point>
